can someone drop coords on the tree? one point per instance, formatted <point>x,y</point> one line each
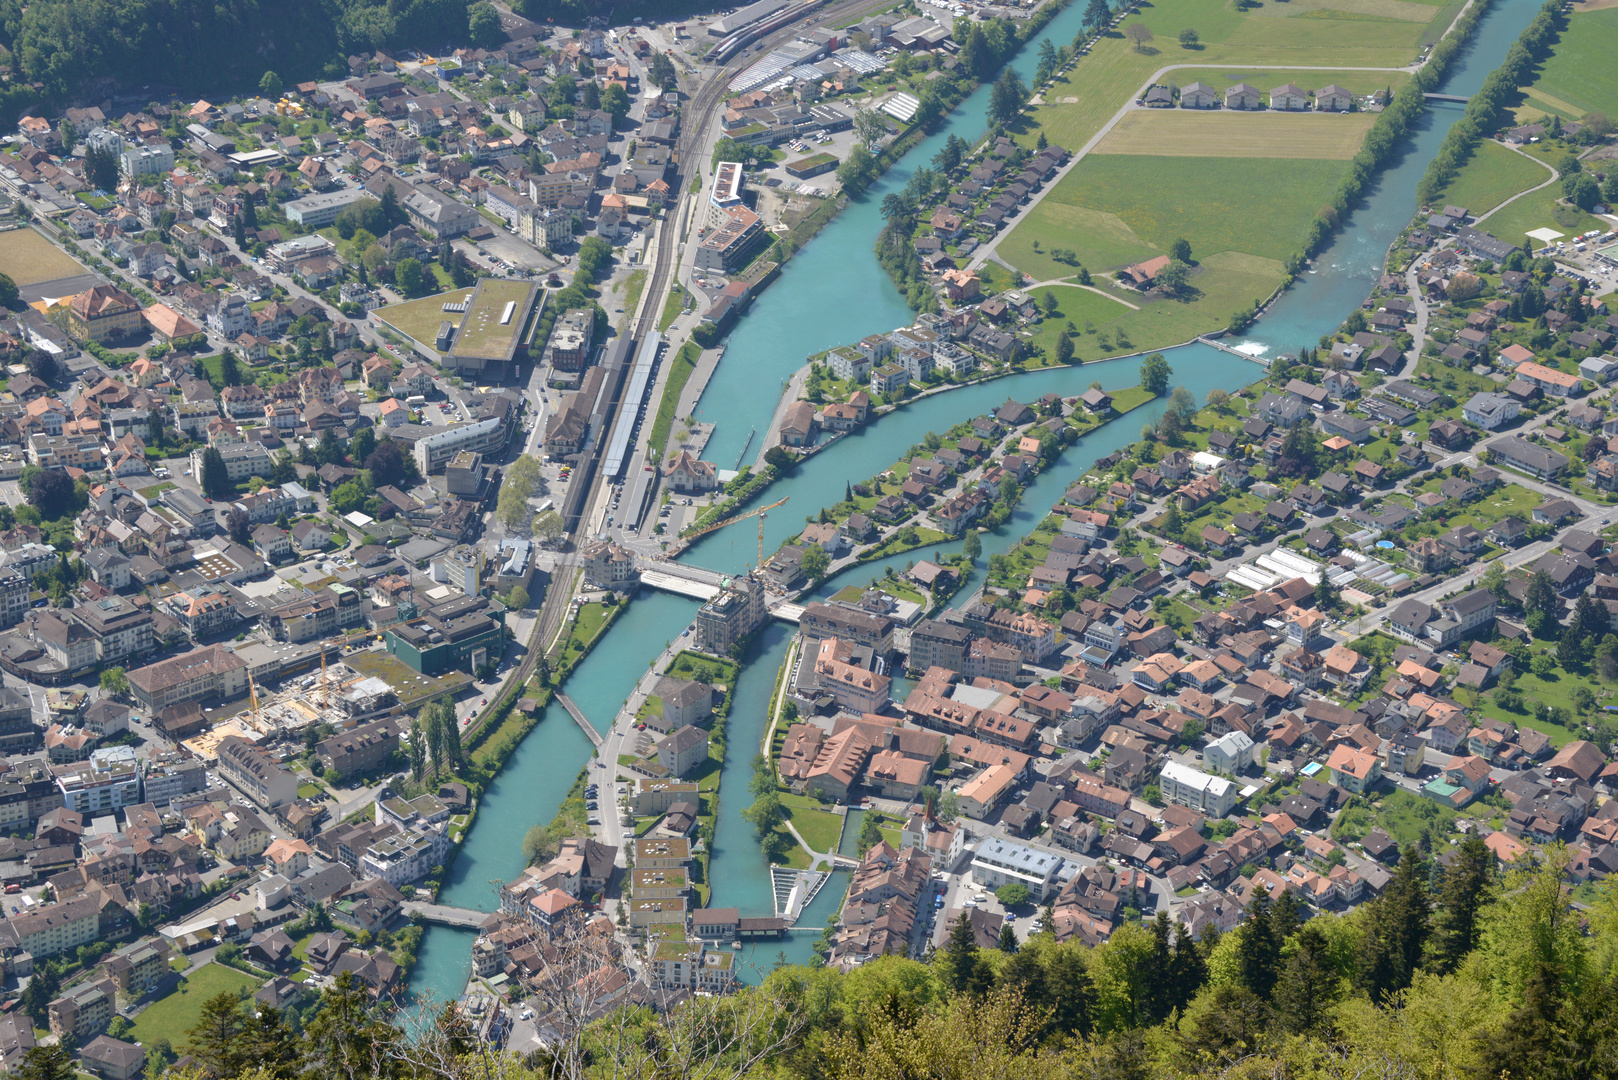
<point>1064,348</point>
<point>42,990</point>
<point>50,491</point>
<point>1007,98</point>
<point>41,364</point>
<point>1139,34</point>
<point>512,507</point>
<point>1013,895</point>
<point>870,833</point>
<point>815,562</point>
<point>386,464</point>
<point>1540,595</point>
<point>215,1040</point>
<point>1396,930</point>
<point>1309,985</point>
<point>483,25</point>
<point>1258,947</point>
<point>408,275</point>
<point>1008,939</point>
<point>269,85</point>
<point>8,297</point>
<point>972,548</point>
<point>452,734</point>
<point>1188,39</point>
<point>1582,191</point>
<point>958,965</point>
<point>1180,250</point>
<point>1171,280</point>
<point>1468,887</point>
<point>1218,399</point>
<point>215,476</point>
<point>615,99</point>
<point>114,682</point>
<point>870,127</point>
<point>518,599</point>
<point>230,372</point>
<point>1154,374</point>
<point>418,750</point>
<point>46,1063</point>
<point>662,71</point>
<point>101,168</point>
<point>1097,14</point>
<point>548,527</point>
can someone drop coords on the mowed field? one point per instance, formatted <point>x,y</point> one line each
<point>1494,174</point>
<point>1115,209</point>
<point>1349,33</point>
<point>1193,133</point>
<point>27,258</point>
<point>1581,76</point>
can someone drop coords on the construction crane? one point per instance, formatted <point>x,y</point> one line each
<point>252,692</point>
<point>759,513</point>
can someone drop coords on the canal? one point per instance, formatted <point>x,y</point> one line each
<point>832,293</point>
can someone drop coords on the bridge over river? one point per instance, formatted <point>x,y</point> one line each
<point>444,915</point>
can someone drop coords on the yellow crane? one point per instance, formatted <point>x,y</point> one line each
<point>759,513</point>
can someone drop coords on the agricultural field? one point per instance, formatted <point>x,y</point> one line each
<point>1580,76</point>
<point>1193,133</point>
<point>1494,174</point>
<point>28,258</point>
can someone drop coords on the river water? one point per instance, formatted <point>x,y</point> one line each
<point>832,293</point>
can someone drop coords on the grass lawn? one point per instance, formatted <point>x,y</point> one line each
<point>634,285</point>
<point>588,625</point>
<point>708,669</point>
<point>1494,174</point>
<point>27,257</point>
<point>1538,211</point>
<point>1194,133</point>
<point>1580,77</point>
<point>1403,815</point>
<point>170,1017</point>
<point>419,319</point>
<point>1116,209</point>
<point>310,791</point>
<point>671,308</point>
<point>820,829</point>
<point>680,369</point>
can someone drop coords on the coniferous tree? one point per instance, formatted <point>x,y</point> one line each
<point>45,1063</point>
<point>215,1041</point>
<point>1308,986</point>
<point>1467,886</point>
<point>1396,930</point>
<point>1160,970</point>
<point>958,962</point>
<point>268,1043</point>
<point>1259,950</point>
<point>1008,938</point>
<point>1070,992</point>
<point>418,750</point>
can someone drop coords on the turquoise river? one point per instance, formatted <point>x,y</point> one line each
<point>832,293</point>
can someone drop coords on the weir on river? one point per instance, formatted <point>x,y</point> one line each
<point>834,293</point>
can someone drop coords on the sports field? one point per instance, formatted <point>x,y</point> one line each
<point>419,319</point>
<point>27,257</point>
<point>1494,174</point>
<point>1581,74</point>
<point>1192,133</point>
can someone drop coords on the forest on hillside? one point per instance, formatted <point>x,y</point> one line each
<point>1455,973</point>
<point>79,49</point>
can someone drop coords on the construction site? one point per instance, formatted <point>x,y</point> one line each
<point>338,697</point>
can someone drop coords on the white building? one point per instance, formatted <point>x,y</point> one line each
<point>999,862</point>
<point>1231,753</point>
<point>433,452</point>
<point>1185,786</point>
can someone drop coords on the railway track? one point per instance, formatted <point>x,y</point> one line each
<point>694,128</point>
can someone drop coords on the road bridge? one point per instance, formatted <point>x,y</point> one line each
<point>444,915</point>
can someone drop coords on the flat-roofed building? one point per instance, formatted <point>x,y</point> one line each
<point>999,862</point>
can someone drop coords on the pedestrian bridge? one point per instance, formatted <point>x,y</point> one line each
<point>1445,97</point>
